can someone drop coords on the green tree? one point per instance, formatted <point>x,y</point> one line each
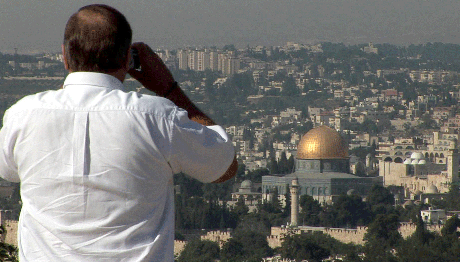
<point>256,175</point>
<point>248,246</point>
<point>273,166</point>
<point>421,235</point>
<point>301,247</point>
<point>427,122</point>
<point>188,186</point>
<point>409,249</point>
<point>383,231</point>
<point>283,165</point>
<point>451,226</point>
<point>310,210</point>
<point>255,222</point>
<point>232,251</point>
<point>290,87</point>
<point>247,134</point>
<point>291,164</point>
<point>199,250</point>
<point>380,199</point>
<point>241,172</point>
<point>350,211</point>
<point>230,47</point>
<point>240,207</point>
<point>453,198</point>
<point>369,126</point>
<point>287,203</point>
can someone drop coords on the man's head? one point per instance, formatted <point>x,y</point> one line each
<point>97,39</point>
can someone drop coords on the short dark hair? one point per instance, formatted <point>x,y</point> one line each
<point>97,39</point>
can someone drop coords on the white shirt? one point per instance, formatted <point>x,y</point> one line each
<point>96,167</point>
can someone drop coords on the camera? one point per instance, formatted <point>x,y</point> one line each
<point>135,63</point>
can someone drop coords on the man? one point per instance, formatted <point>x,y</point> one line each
<point>96,163</point>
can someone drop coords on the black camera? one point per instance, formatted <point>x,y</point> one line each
<point>135,63</point>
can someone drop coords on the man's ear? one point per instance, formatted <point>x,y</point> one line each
<point>66,64</point>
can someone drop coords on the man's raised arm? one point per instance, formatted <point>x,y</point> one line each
<point>156,77</point>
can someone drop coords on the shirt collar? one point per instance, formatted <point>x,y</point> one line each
<point>93,79</point>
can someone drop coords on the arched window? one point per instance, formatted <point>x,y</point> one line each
<point>388,159</point>
<point>313,191</point>
<point>441,155</point>
<point>398,160</point>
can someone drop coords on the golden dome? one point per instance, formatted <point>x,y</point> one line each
<point>322,143</point>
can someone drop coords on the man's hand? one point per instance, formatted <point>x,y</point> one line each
<point>156,77</point>
<point>154,74</point>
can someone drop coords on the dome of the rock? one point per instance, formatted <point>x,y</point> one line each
<point>322,143</point>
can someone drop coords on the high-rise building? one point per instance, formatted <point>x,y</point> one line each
<point>182,56</point>
<point>221,64</point>
<point>203,62</point>
<point>233,66</point>
<point>213,61</point>
<point>193,60</point>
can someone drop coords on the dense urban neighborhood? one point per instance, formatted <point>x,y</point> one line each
<point>346,153</point>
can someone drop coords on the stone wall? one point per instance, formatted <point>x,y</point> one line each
<point>407,229</point>
<point>344,235</point>
<point>11,227</point>
<point>217,236</point>
<point>354,236</point>
<point>274,241</point>
<point>179,247</point>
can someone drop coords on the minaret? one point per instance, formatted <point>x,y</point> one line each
<point>452,165</point>
<point>294,202</point>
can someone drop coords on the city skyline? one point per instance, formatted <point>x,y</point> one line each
<point>39,26</point>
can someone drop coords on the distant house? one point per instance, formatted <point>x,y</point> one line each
<point>434,216</point>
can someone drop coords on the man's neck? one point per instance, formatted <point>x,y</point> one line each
<point>119,74</point>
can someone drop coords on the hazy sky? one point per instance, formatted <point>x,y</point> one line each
<point>39,25</point>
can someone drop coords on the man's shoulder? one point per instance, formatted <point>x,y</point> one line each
<point>148,99</point>
<point>32,100</point>
<point>145,102</point>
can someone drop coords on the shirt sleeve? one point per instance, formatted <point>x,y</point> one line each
<point>8,167</point>
<point>202,152</point>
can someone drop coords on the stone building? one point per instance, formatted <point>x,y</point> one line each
<point>322,169</point>
<point>248,191</point>
<point>423,172</point>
